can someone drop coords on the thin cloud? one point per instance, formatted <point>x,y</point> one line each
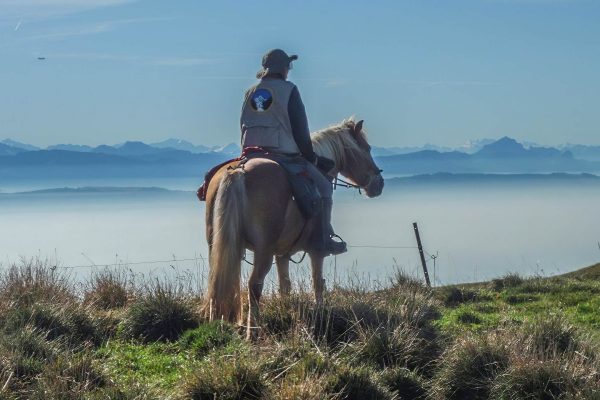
<point>93,57</point>
<point>156,61</point>
<point>185,61</point>
<point>90,29</point>
<point>42,9</point>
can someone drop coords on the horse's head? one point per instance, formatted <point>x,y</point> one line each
<point>347,145</point>
<point>359,165</point>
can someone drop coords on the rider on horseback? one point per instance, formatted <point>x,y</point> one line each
<point>274,118</point>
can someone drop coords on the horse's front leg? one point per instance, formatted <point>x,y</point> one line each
<point>317,276</point>
<point>262,265</point>
<point>283,272</point>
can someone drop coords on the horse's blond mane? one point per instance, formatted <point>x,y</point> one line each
<point>336,142</point>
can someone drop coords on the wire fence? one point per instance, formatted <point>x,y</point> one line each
<point>203,260</point>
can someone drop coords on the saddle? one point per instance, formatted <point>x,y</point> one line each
<point>304,191</point>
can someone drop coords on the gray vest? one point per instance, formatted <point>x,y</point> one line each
<point>265,121</point>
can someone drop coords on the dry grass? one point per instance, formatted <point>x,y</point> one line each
<point>122,339</point>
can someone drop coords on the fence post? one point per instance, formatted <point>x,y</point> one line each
<point>422,254</point>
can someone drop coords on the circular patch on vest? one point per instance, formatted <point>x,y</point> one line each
<point>261,100</point>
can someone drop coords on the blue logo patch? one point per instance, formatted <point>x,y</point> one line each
<point>261,100</point>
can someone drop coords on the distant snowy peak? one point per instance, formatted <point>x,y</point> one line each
<point>180,144</point>
<point>474,145</point>
<point>6,150</point>
<point>19,145</point>
<point>136,148</point>
<point>70,147</point>
<point>229,149</point>
<point>591,153</point>
<point>504,147</point>
<point>509,148</point>
<point>390,151</point>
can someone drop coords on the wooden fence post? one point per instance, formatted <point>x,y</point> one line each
<point>422,254</point>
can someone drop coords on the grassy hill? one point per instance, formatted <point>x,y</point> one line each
<point>118,338</point>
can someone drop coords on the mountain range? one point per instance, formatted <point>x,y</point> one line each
<point>174,157</point>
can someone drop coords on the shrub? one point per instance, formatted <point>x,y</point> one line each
<point>469,367</point>
<point>161,313</point>
<point>108,289</point>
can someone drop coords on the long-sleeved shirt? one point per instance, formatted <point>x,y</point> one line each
<point>299,123</point>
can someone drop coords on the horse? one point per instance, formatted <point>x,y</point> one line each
<point>252,207</point>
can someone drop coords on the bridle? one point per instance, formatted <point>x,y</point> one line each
<point>350,185</point>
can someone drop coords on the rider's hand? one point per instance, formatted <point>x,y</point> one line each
<point>325,164</point>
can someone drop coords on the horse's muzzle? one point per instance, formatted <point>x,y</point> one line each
<point>375,186</point>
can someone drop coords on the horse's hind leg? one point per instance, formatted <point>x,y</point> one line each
<point>262,265</point>
<point>317,277</point>
<point>283,272</point>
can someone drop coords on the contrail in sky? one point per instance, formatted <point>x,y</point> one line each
<point>18,26</point>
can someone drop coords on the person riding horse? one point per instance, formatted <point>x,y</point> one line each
<point>274,119</point>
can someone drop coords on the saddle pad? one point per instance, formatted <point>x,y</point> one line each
<point>304,190</point>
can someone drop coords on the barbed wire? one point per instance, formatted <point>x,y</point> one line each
<point>203,259</point>
<point>382,247</point>
<point>127,264</point>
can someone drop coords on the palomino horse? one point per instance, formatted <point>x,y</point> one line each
<point>252,208</point>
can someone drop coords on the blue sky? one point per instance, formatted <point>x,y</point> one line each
<point>417,71</point>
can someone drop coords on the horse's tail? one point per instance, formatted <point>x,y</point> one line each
<point>223,295</point>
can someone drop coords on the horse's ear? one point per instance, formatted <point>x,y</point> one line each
<point>358,127</point>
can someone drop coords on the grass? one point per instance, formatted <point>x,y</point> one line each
<point>117,338</point>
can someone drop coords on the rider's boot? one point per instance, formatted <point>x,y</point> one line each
<point>323,235</point>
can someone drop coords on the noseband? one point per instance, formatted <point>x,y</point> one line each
<point>345,184</point>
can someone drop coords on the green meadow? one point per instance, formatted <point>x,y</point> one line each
<point>118,338</point>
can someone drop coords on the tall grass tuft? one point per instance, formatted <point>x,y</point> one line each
<point>404,384</point>
<point>34,281</point>
<point>357,383</point>
<point>72,323</point>
<point>108,289</point>
<point>469,367</point>
<point>160,313</point>
<point>208,337</point>
<point>510,280</point>
<point>227,378</point>
<point>532,379</point>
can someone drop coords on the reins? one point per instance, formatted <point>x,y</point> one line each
<point>345,184</point>
<point>289,258</point>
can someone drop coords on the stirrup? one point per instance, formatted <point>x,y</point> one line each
<point>336,248</point>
